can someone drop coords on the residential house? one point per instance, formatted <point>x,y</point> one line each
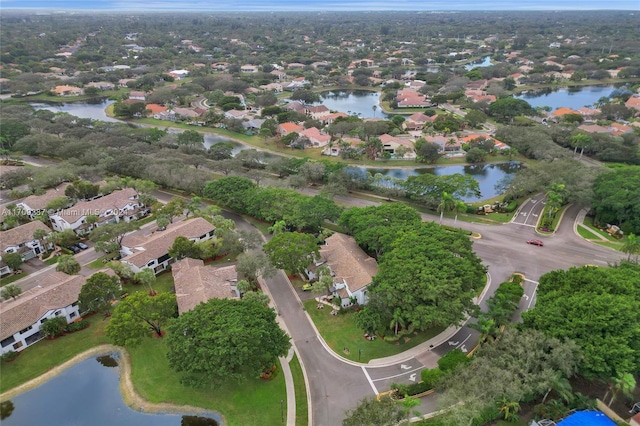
<point>296,106</point>
<point>334,149</point>
<point>220,66</point>
<point>316,137</point>
<point>351,268</point>
<point>272,87</point>
<point>179,74</point>
<point>237,114</point>
<point>318,111</point>
<point>589,114</point>
<point>186,113</point>
<point>102,85</point>
<point>418,121</point>
<point>330,118</point>
<point>295,66</point>
<point>137,95</point>
<point>20,240</point>
<point>120,205</point>
<point>156,109</point>
<point>35,204</point>
<point>391,144</point>
<point>289,127</point>
<point>279,74</point>
<point>564,111</point>
<point>68,91</point>
<point>253,124</point>
<point>55,296</point>
<point>152,251</point>
<point>297,83</point>
<point>168,115</point>
<point>197,283</point>
<point>249,69</point>
<point>633,102</point>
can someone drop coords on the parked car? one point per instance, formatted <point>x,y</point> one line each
<point>74,248</point>
<point>535,242</point>
<point>307,287</point>
<point>82,246</point>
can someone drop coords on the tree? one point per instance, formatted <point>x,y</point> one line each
<point>397,320</point>
<point>194,205</point>
<point>138,314</point>
<point>371,412</point>
<point>13,260</point>
<point>162,221</point>
<point>508,108</point>
<point>190,137</point>
<point>98,292</point>
<point>616,199</point>
<point>475,155</point>
<point>225,340</point>
<point>292,251</point>
<point>427,152</point>
<point>258,297</point>
<point>147,278</point>
<point>68,264</point>
<point>109,237</point>
<point>122,270</point>
<point>520,366</point>
<point>431,274</point>
<point>53,326</point>
<point>623,383</point>
<point>593,306</point>
<point>631,245</point>
<point>254,265</point>
<point>183,247</point>
<point>581,141</point>
<point>10,291</point>
<point>232,191</point>
<point>447,203</point>
<point>174,208</point>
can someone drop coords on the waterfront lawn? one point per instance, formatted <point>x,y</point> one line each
<point>253,402</point>
<point>46,354</point>
<point>302,409</point>
<point>340,332</point>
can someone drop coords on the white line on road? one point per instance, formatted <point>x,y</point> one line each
<point>532,294</point>
<point>462,344</point>
<point>398,375</point>
<point>364,370</point>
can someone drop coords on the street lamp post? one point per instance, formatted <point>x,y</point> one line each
<point>359,354</point>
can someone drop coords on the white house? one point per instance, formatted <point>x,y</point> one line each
<point>196,283</point>
<point>21,318</point>
<point>20,240</point>
<point>153,251</point>
<point>351,268</point>
<point>120,205</point>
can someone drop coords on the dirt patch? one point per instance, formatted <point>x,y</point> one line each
<point>129,394</point>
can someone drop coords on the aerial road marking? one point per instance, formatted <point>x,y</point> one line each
<point>405,367</point>
<point>464,349</point>
<point>460,347</point>
<point>534,292</point>
<point>364,370</point>
<point>453,343</point>
<point>396,375</point>
<point>525,297</point>
<point>413,377</point>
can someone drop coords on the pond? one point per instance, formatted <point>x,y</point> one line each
<point>354,102</point>
<point>89,394</point>
<point>492,178</point>
<point>484,62</point>
<point>91,109</point>
<point>574,97</point>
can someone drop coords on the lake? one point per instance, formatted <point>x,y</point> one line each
<point>89,394</point>
<point>94,110</point>
<point>354,102</point>
<point>491,177</point>
<point>484,62</point>
<point>574,97</point>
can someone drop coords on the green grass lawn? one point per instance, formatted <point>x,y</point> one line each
<point>8,279</point>
<point>254,402</point>
<point>585,233</point>
<point>302,409</point>
<point>340,331</point>
<point>46,354</point>
<point>588,223</point>
<point>99,262</point>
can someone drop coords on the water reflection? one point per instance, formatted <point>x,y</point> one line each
<point>354,102</point>
<point>89,394</point>
<point>108,360</point>
<point>484,62</point>
<point>93,108</point>
<point>574,97</point>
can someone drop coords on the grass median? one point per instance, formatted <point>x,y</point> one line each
<point>347,340</point>
<point>302,408</point>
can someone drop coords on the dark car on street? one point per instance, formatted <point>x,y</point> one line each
<point>535,243</point>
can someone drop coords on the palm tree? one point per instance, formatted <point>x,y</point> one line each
<point>580,140</point>
<point>397,320</point>
<point>561,386</point>
<point>509,409</point>
<point>446,203</point>
<point>457,207</point>
<point>631,246</point>
<point>374,108</point>
<point>624,383</point>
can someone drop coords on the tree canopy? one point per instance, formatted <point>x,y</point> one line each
<point>596,307</point>
<point>137,315</point>
<point>225,340</point>
<point>292,251</point>
<point>617,199</point>
<point>431,274</point>
<point>98,292</point>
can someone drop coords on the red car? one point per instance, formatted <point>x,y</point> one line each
<point>535,242</point>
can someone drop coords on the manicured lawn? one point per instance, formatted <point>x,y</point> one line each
<point>46,354</point>
<point>585,233</point>
<point>99,262</point>
<point>588,223</point>
<point>8,279</point>
<point>52,260</point>
<point>254,402</point>
<point>340,332</point>
<point>302,409</point>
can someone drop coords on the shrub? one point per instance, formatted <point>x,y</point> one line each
<point>430,377</point>
<point>452,359</point>
<point>511,207</point>
<point>54,327</point>
<point>77,326</point>
<point>516,278</point>
<point>9,356</point>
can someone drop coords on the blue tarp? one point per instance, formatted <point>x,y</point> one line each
<point>587,418</point>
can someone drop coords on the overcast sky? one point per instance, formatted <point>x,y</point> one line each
<point>325,5</point>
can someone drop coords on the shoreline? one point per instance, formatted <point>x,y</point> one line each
<point>129,395</point>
